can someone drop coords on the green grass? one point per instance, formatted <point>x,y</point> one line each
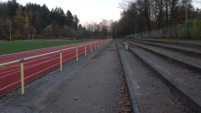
<point>20,46</point>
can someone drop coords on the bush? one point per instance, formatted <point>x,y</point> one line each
<point>194,28</point>
<point>12,38</point>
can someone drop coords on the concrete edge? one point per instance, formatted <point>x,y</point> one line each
<point>163,75</point>
<point>128,73</point>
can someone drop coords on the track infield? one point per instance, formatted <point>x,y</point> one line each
<point>20,46</point>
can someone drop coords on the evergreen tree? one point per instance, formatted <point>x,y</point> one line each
<point>76,22</point>
<point>70,19</point>
<point>12,7</point>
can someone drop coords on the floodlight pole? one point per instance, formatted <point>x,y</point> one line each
<point>111,33</point>
<point>10,31</point>
<point>186,26</point>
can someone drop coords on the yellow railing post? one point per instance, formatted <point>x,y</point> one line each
<point>91,47</point>
<point>85,48</point>
<point>95,46</point>
<point>61,60</point>
<point>76,53</point>
<point>22,75</point>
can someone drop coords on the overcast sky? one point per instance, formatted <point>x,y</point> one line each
<point>197,3</point>
<point>88,10</point>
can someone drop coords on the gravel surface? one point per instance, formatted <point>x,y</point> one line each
<point>90,85</point>
<point>151,94</point>
<point>92,89</point>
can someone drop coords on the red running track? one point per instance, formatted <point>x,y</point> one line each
<point>34,68</point>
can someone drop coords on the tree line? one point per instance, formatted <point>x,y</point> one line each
<point>147,15</point>
<point>33,20</point>
<point>100,30</point>
<point>36,21</point>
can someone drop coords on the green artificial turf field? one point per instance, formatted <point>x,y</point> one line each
<point>19,46</point>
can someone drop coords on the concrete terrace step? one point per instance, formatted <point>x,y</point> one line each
<point>185,43</point>
<point>186,50</point>
<point>148,93</point>
<point>191,63</point>
<point>184,91</point>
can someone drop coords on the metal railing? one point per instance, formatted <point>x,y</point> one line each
<point>87,47</point>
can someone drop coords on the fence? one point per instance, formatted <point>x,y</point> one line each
<point>194,29</point>
<point>165,32</point>
<point>16,73</point>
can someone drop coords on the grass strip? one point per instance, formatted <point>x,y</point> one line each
<point>20,46</point>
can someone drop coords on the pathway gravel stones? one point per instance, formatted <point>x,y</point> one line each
<point>92,89</point>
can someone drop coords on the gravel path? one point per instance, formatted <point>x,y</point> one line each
<point>91,85</point>
<point>92,89</point>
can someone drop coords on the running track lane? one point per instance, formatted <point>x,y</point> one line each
<point>34,68</point>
